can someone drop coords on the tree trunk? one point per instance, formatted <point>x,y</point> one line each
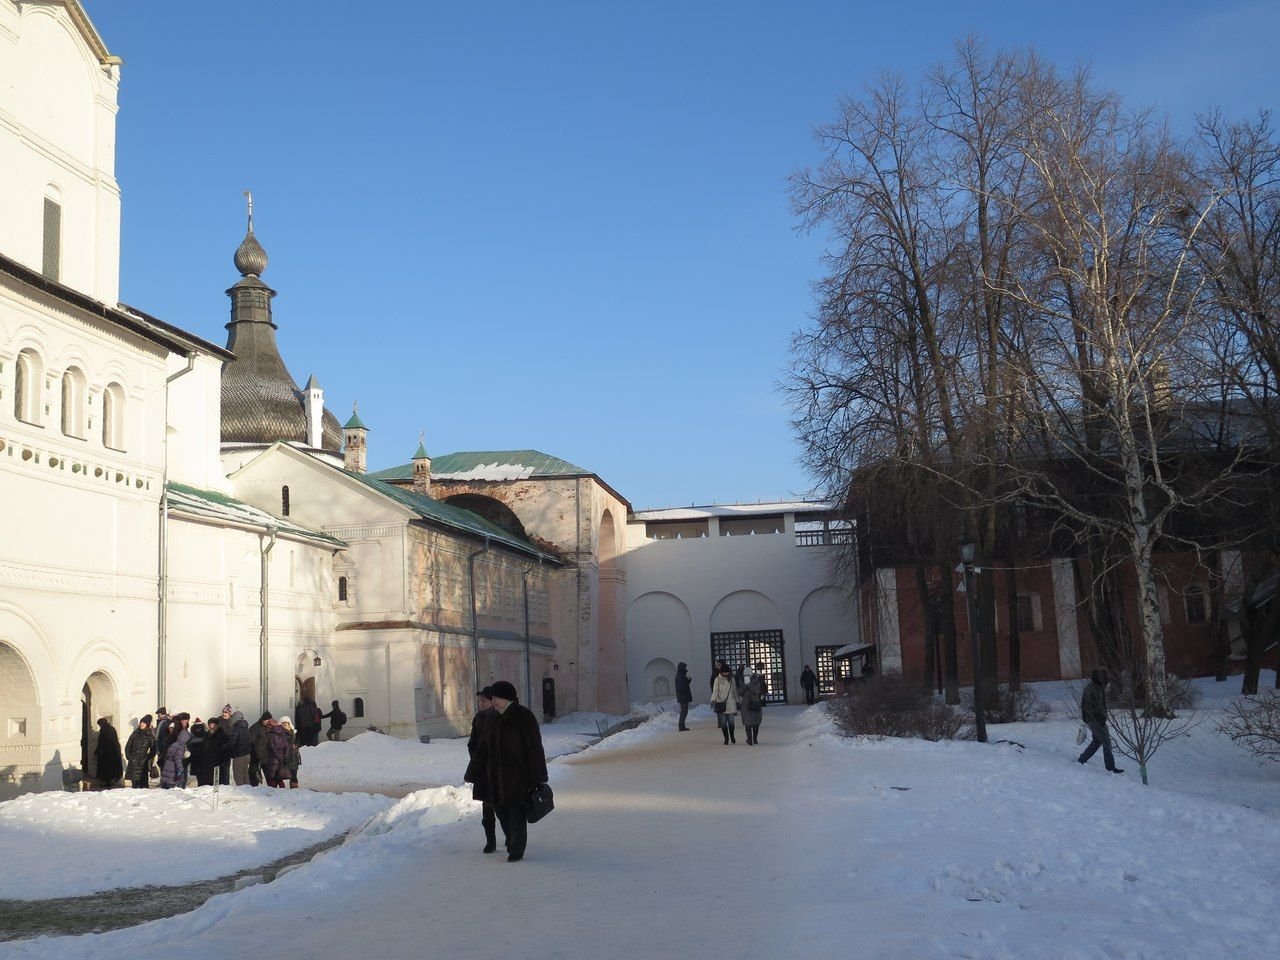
<point>951,662</point>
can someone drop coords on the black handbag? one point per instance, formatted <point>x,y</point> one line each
<point>541,802</point>
<point>719,706</point>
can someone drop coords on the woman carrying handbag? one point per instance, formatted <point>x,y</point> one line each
<point>724,701</point>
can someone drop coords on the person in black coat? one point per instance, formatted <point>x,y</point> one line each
<point>140,753</point>
<point>684,692</point>
<point>476,775</point>
<point>809,683</point>
<point>110,765</point>
<point>308,723</point>
<point>238,748</point>
<point>1093,711</point>
<point>258,748</point>
<point>514,763</point>
<point>200,759</point>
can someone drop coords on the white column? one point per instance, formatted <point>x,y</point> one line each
<point>1064,610</point>
<point>888,635</point>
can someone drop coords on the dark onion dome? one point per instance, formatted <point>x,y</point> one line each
<point>261,402</point>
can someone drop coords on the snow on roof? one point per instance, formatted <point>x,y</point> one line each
<point>852,650</point>
<point>735,510</point>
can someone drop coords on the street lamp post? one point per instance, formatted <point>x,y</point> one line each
<point>968,550</point>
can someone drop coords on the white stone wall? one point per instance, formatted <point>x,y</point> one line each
<point>57,140</point>
<point>680,591</point>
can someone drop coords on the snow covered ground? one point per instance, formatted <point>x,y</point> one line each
<point>663,844</point>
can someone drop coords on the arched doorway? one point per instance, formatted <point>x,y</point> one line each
<point>98,699</point>
<point>20,767</point>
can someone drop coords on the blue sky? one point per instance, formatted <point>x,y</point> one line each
<point>563,225</point>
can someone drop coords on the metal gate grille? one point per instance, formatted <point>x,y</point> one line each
<point>742,648</point>
<point>826,670</point>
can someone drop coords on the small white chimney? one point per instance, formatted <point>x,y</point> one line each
<point>314,400</point>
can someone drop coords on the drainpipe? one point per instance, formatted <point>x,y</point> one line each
<point>162,561</point>
<point>268,544</point>
<point>475,623</point>
<point>528,663</point>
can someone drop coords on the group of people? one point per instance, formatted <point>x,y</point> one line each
<point>506,761</point>
<point>732,695</point>
<point>224,749</point>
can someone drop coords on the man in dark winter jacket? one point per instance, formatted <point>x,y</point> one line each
<point>476,775</point>
<point>684,693</point>
<point>163,725</point>
<point>337,720</point>
<point>110,764</point>
<point>239,746</point>
<point>808,682</point>
<point>514,763</point>
<point>258,748</point>
<point>1093,711</point>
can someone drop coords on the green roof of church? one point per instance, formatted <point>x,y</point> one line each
<point>489,465</point>
<point>421,452</point>
<point>355,423</point>
<point>450,516</point>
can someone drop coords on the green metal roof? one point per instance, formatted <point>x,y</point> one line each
<point>219,506</point>
<point>355,423</point>
<point>421,453</point>
<point>447,515</point>
<point>489,465</point>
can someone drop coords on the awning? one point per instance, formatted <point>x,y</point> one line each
<point>850,650</point>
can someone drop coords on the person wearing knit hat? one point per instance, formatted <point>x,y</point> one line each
<point>514,764</point>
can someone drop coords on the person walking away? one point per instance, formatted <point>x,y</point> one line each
<point>684,693</point>
<point>337,720</point>
<point>139,753</point>
<point>1093,711</point>
<point>809,683</point>
<point>308,728</point>
<point>514,763</point>
<point>279,753</point>
<point>753,694</point>
<point>109,763</point>
<point>477,752</point>
<point>724,701</point>
<point>258,747</point>
<point>238,747</point>
<point>172,768</point>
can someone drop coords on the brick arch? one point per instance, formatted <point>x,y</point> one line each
<point>492,509</point>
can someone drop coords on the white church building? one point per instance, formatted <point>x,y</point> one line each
<point>185,526</point>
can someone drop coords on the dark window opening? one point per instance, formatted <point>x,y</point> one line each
<point>1026,614</point>
<point>342,588</point>
<point>495,511</point>
<point>357,708</point>
<point>1197,605</point>
<point>284,501</point>
<point>52,262</point>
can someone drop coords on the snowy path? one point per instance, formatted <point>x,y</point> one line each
<point>666,843</point>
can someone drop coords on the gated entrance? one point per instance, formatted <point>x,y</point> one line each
<point>826,670</point>
<point>742,648</point>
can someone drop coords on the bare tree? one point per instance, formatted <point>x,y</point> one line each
<point>1254,723</point>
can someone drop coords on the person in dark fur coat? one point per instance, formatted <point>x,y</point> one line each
<point>258,733</point>
<point>485,717</point>
<point>110,764</point>
<point>514,762</point>
<point>139,753</point>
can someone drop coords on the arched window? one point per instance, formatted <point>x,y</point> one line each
<point>113,416</point>
<point>74,402</point>
<point>358,709</point>
<point>284,501</point>
<point>342,588</point>
<point>28,387</point>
